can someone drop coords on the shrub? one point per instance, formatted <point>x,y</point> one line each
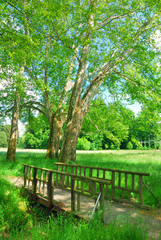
<point>3,139</point>
<point>129,145</point>
<point>83,144</point>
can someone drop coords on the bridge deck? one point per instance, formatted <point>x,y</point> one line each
<point>113,211</point>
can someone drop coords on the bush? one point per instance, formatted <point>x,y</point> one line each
<point>83,144</point>
<point>114,147</point>
<point>129,145</point>
<point>3,139</point>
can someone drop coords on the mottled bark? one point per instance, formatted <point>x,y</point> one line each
<point>73,127</point>
<point>11,152</point>
<point>54,138</point>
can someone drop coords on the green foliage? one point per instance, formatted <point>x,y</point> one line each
<point>37,134</point>
<point>129,145</point>
<point>3,139</point>
<point>12,217</point>
<point>110,124</point>
<point>147,124</point>
<point>4,135</point>
<point>83,144</point>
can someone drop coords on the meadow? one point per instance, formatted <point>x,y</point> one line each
<point>19,220</point>
<point>132,160</point>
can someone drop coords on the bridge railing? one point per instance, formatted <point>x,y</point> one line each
<point>124,186</point>
<point>84,180</point>
<point>41,182</point>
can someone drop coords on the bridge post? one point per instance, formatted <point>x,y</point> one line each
<point>50,189</point>
<point>25,174</point>
<point>140,189</point>
<point>72,194</point>
<point>102,207</point>
<point>113,185</point>
<point>34,183</point>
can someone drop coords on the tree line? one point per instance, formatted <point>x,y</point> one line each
<point>58,55</point>
<point>105,126</point>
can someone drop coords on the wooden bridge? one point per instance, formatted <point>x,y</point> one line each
<point>76,181</point>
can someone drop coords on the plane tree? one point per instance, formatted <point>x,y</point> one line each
<point>113,42</point>
<point>97,44</point>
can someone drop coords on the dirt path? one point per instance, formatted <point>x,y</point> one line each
<point>114,211</point>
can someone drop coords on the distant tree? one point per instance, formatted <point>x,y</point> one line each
<point>148,124</point>
<point>107,125</point>
<point>3,139</point>
<point>37,133</point>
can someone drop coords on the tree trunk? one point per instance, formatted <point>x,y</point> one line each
<point>73,127</point>
<point>54,138</point>
<point>74,122</point>
<point>11,152</point>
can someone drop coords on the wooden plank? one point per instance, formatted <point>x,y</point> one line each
<point>94,187</point>
<point>80,171</point>
<point>50,189</point>
<point>90,172</point>
<point>91,188</point>
<point>45,182</point>
<point>57,180</point>
<point>82,186</point>
<point>72,194</point>
<point>84,171</point>
<point>34,183</point>
<point>107,169</point>
<point>67,181</point>
<point>43,191</point>
<point>140,190</point>
<point>113,185</point>
<point>41,181</point>
<point>25,175</point>
<point>102,207</point>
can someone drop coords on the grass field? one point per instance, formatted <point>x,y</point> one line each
<point>18,217</point>
<point>138,161</point>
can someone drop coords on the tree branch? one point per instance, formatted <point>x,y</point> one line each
<point>93,123</point>
<point>34,102</point>
<point>13,6</point>
<point>36,108</point>
<point>143,27</point>
<point>111,18</point>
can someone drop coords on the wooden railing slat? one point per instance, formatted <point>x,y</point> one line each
<point>40,179</point>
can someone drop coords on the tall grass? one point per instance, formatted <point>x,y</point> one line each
<point>17,216</point>
<point>138,161</point>
<point>17,224</point>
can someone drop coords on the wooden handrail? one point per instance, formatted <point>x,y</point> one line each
<point>39,179</point>
<point>71,174</point>
<point>100,168</point>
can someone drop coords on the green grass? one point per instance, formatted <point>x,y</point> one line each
<point>138,161</point>
<point>17,214</point>
<point>21,219</point>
